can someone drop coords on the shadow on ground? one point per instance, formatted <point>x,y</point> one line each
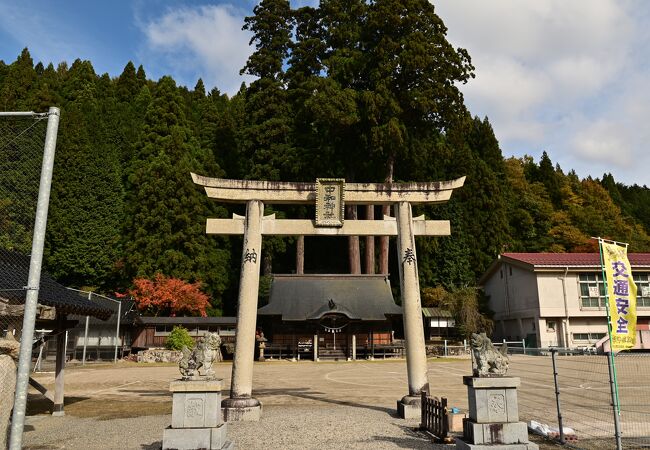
<point>321,397</point>
<point>39,404</point>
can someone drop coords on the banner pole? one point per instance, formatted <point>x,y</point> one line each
<point>611,360</point>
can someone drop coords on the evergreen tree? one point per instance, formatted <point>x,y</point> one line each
<point>86,204</point>
<point>166,212</point>
<point>18,80</point>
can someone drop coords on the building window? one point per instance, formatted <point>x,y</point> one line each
<point>550,326</point>
<point>162,330</point>
<point>589,337</point>
<point>592,290</point>
<point>642,281</point>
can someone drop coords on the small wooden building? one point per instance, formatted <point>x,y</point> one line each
<point>152,332</point>
<point>438,324</point>
<point>346,315</point>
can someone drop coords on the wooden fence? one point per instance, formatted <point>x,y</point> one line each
<point>434,417</point>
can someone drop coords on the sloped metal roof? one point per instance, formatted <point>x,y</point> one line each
<point>435,312</point>
<point>225,320</point>
<point>14,273</point>
<point>310,297</point>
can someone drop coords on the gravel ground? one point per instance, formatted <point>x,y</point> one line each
<point>305,406</point>
<point>281,428</point>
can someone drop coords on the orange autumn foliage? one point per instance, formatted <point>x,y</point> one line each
<point>169,296</point>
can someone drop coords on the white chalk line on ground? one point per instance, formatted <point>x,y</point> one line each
<point>115,387</point>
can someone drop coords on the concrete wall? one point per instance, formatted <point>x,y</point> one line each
<point>514,301</point>
<point>531,304</point>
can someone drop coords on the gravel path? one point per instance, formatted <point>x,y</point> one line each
<point>340,427</point>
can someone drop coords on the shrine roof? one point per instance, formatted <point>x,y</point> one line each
<point>14,273</point>
<point>310,297</point>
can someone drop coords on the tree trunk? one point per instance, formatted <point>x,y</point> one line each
<point>300,255</point>
<point>267,264</point>
<point>370,243</point>
<point>354,254</point>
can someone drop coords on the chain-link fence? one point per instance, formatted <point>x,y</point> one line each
<point>21,154</point>
<point>573,388</point>
<point>25,176</point>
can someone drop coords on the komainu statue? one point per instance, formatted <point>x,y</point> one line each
<point>487,361</point>
<point>206,352</point>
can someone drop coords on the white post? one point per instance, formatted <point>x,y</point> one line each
<point>416,360</point>
<point>33,281</point>
<point>523,345</point>
<point>445,347</point>
<point>354,347</point>
<point>117,331</point>
<point>315,347</point>
<point>241,406</point>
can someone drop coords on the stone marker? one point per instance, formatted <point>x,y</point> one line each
<point>493,421</point>
<point>196,402</point>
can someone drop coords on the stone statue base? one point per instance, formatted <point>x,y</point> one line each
<point>196,417</point>
<point>493,421</point>
<point>409,407</point>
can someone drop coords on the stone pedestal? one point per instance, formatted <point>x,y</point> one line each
<point>409,407</point>
<point>196,417</point>
<point>493,421</point>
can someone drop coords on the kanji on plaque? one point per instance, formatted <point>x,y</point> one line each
<point>330,202</point>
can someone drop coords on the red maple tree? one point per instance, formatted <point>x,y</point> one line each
<point>169,296</point>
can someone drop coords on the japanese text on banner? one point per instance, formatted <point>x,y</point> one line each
<point>621,291</point>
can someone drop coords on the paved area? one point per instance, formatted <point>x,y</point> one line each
<point>306,405</point>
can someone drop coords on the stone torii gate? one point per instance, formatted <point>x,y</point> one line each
<point>329,195</point>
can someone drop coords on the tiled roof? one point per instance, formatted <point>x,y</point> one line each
<point>572,259</point>
<point>310,297</point>
<point>14,272</point>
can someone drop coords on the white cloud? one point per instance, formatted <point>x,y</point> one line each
<point>205,40</point>
<point>563,76</point>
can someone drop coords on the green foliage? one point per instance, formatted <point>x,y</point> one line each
<point>468,305</point>
<point>362,90</point>
<point>178,338</point>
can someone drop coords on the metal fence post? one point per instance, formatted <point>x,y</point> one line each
<point>523,345</point>
<point>557,396</point>
<point>445,347</point>
<point>33,282</point>
<point>615,406</point>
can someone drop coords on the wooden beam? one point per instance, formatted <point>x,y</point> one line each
<point>42,389</point>
<point>306,227</point>
<point>59,375</point>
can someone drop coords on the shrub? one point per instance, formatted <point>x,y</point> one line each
<point>178,338</point>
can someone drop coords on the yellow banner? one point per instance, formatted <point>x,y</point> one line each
<point>621,291</point>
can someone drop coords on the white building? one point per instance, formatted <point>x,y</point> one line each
<point>557,299</point>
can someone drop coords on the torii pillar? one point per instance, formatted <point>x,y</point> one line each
<point>329,196</point>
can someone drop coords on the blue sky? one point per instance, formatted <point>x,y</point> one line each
<point>568,77</point>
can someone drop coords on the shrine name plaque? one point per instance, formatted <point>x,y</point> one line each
<point>330,205</point>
